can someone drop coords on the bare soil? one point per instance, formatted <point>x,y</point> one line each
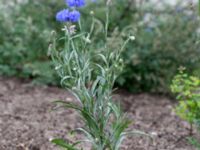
<point>27,121</point>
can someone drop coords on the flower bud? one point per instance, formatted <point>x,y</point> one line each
<point>92,13</point>
<point>87,40</point>
<point>120,60</point>
<point>57,67</point>
<point>53,33</point>
<point>49,50</point>
<point>100,107</point>
<point>106,69</point>
<point>109,104</point>
<point>132,38</point>
<point>74,88</point>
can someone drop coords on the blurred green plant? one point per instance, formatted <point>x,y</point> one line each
<point>24,37</point>
<point>167,38</point>
<point>194,142</point>
<point>188,90</point>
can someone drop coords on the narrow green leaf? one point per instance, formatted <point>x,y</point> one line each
<point>103,58</point>
<point>62,143</point>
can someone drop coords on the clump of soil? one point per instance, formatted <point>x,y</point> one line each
<point>27,121</point>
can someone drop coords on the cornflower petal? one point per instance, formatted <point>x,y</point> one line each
<point>74,16</point>
<point>75,3</point>
<point>63,15</point>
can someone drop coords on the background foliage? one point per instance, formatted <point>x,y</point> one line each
<point>24,40</point>
<point>187,90</point>
<point>166,38</point>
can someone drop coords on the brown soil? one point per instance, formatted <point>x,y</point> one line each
<point>27,122</point>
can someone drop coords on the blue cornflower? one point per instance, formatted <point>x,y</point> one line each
<point>74,16</point>
<point>75,3</point>
<point>66,16</point>
<point>63,15</point>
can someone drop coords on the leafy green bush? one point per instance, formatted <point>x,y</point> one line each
<point>187,89</point>
<point>165,40</point>
<point>24,38</point>
<point>194,142</point>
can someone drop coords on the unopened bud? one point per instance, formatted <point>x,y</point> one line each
<point>49,49</point>
<point>132,38</point>
<point>100,107</point>
<point>106,69</point>
<point>57,67</point>
<point>74,88</point>
<point>91,12</point>
<point>53,33</point>
<point>88,40</point>
<point>74,69</point>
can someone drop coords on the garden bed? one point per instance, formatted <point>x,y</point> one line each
<point>27,122</point>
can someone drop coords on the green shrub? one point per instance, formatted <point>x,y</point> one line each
<point>194,142</point>
<point>24,38</point>
<point>187,89</point>
<point>165,40</point>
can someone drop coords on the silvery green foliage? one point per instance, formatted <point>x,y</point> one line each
<point>90,75</point>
